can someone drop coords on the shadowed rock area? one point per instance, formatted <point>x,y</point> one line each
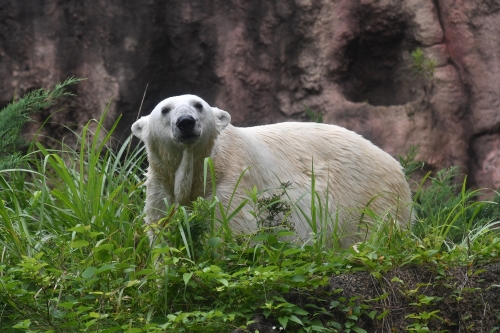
<point>263,61</point>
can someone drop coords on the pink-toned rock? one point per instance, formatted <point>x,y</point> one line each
<point>263,61</point>
<point>486,165</point>
<point>427,28</point>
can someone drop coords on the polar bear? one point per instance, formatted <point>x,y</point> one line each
<point>349,171</point>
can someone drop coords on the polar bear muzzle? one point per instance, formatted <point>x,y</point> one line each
<point>185,123</point>
<point>186,129</point>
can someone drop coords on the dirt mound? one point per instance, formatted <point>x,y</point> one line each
<point>463,299</point>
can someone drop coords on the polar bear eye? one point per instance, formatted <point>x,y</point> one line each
<point>165,109</point>
<point>198,106</point>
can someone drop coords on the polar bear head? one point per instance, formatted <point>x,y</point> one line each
<point>181,121</point>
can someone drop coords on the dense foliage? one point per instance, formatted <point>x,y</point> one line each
<point>15,115</point>
<point>75,256</point>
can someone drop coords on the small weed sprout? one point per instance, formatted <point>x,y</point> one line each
<point>315,117</point>
<point>422,66</point>
<point>422,69</point>
<point>409,162</point>
<point>276,210</point>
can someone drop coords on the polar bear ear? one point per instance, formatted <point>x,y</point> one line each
<point>222,118</point>
<point>140,126</point>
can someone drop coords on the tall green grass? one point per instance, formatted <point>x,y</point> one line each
<point>92,186</point>
<point>450,215</point>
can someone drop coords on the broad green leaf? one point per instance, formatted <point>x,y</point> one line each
<point>301,312</point>
<point>186,277</point>
<point>146,271</point>
<point>383,314</point>
<point>224,282</point>
<point>295,319</point>
<point>334,304</point>
<point>104,256</point>
<point>105,268</point>
<point>23,324</point>
<point>280,299</point>
<point>214,241</point>
<point>132,283</point>
<point>78,243</point>
<point>215,269</point>
<point>298,278</point>
<point>372,314</point>
<point>89,272</point>
<point>292,251</point>
<point>285,233</point>
<point>67,305</point>
<point>283,321</point>
<point>94,234</point>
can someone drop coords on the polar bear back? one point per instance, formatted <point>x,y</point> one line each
<point>354,172</point>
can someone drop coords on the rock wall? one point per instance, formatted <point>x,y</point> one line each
<point>262,61</point>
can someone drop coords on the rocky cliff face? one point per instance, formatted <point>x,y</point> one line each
<point>263,61</point>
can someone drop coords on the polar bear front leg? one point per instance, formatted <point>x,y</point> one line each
<point>184,178</point>
<point>157,201</point>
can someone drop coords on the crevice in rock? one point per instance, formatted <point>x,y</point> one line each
<point>490,131</point>
<point>484,160</point>
<point>375,70</point>
<point>450,55</point>
<point>440,19</point>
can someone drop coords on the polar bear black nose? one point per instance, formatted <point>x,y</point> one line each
<point>185,123</point>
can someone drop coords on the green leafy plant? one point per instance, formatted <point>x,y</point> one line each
<point>409,162</point>
<point>15,115</point>
<point>422,66</point>
<point>422,70</point>
<point>449,213</point>
<point>313,116</point>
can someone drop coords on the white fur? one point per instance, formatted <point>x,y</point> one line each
<point>353,171</point>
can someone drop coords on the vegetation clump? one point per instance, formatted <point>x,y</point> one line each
<point>422,69</point>
<point>15,115</point>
